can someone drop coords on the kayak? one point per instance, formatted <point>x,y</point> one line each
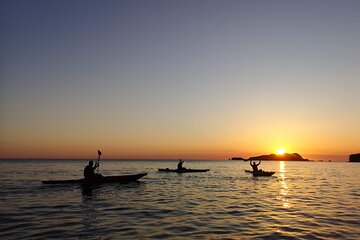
<point>186,170</point>
<point>260,173</point>
<point>108,179</point>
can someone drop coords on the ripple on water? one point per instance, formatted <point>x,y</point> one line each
<point>303,201</point>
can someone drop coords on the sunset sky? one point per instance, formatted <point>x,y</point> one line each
<point>179,79</point>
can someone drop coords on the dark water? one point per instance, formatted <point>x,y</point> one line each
<point>305,200</point>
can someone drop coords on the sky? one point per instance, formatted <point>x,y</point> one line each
<point>179,79</point>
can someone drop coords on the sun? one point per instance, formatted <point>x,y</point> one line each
<point>281,151</point>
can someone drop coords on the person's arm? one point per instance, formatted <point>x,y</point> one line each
<point>258,163</point>
<point>96,165</point>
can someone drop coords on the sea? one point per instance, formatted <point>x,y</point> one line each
<point>302,200</point>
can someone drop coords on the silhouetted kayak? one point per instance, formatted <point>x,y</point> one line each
<point>182,170</point>
<point>108,179</point>
<point>260,173</point>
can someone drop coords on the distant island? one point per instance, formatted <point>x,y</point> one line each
<point>354,157</point>
<point>276,157</point>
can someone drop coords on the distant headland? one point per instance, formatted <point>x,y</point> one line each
<point>276,157</point>
<point>354,157</point>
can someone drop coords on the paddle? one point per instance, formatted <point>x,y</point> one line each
<point>98,161</point>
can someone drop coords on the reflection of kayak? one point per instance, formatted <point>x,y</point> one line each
<point>109,179</point>
<point>182,170</point>
<point>260,173</point>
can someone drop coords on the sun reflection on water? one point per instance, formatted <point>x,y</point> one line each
<point>284,188</point>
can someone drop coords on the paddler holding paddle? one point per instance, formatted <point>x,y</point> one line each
<point>255,165</point>
<point>179,166</point>
<point>89,170</point>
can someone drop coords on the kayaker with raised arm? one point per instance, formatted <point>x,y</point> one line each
<point>179,166</point>
<point>89,171</point>
<point>255,165</point>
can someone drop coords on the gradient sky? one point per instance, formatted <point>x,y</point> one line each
<point>179,79</point>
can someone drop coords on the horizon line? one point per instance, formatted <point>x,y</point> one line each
<point>162,159</point>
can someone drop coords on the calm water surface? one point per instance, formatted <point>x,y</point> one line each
<point>304,200</point>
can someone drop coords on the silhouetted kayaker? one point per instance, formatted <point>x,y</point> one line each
<point>179,166</point>
<point>255,166</point>
<point>89,171</point>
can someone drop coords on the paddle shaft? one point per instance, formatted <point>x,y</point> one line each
<point>98,161</point>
